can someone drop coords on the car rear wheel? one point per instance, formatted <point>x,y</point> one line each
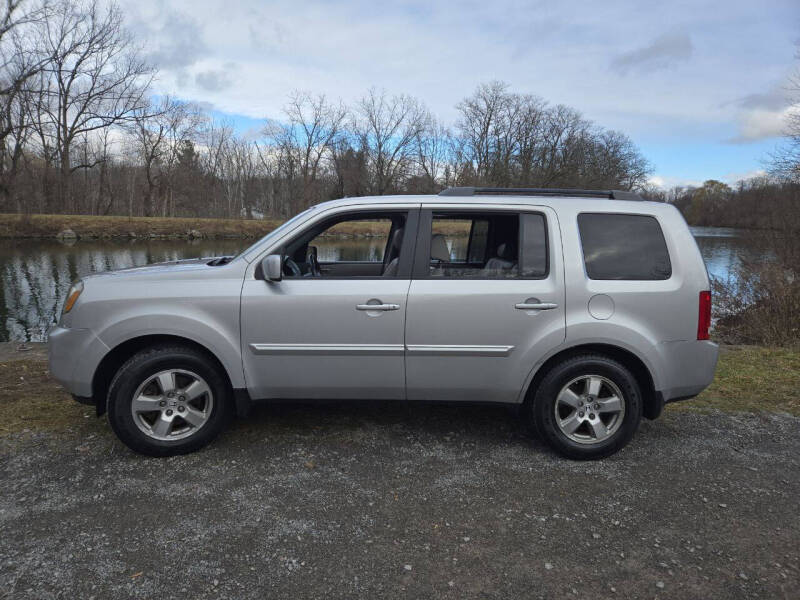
<point>168,400</point>
<point>586,407</point>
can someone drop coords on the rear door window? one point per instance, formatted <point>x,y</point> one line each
<point>627,247</point>
<point>492,245</point>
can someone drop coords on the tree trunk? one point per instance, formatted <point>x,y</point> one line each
<point>65,182</point>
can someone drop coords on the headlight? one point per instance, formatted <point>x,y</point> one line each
<point>72,296</point>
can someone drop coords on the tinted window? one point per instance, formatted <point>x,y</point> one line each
<point>488,245</point>
<point>479,239</point>
<point>534,246</point>
<point>455,232</point>
<point>623,247</point>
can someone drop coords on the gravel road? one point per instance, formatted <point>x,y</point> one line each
<point>404,501</point>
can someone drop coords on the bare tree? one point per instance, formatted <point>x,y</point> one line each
<point>433,152</point>
<point>158,129</point>
<point>531,117</point>
<point>484,126</point>
<point>785,162</point>
<point>563,135</point>
<point>95,79</point>
<point>312,126</point>
<point>387,129</point>
<point>19,62</point>
<point>350,169</point>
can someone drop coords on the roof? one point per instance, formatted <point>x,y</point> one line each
<point>480,197</point>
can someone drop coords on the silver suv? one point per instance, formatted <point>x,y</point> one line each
<point>586,309</point>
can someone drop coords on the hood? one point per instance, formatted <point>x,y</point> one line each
<point>173,267</point>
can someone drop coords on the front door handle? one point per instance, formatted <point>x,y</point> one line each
<point>535,306</point>
<point>383,307</point>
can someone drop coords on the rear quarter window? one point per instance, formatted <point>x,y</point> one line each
<point>617,246</point>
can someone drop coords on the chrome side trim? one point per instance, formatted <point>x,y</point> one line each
<point>380,349</point>
<point>449,350</point>
<point>328,349</point>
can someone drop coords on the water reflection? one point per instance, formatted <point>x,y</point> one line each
<point>369,249</point>
<point>37,274</point>
<point>723,249</point>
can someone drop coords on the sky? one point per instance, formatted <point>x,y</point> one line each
<point>702,87</point>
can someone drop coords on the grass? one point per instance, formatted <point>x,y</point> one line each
<point>31,400</point>
<point>748,379</point>
<point>752,379</point>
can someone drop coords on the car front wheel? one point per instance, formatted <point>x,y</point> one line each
<point>168,400</point>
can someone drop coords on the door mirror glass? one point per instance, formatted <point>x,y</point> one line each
<point>271,267</point>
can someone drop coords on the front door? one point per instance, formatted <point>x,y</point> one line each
<point>485,304</point>
<point>333,327</point>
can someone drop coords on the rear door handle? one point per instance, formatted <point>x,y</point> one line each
<point>535,306</point>
<point>383,307</point>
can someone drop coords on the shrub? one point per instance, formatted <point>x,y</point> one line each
<point>760,303</point>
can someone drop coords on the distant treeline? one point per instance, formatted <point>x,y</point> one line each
<point>82,133</point>
<point>759,203</point>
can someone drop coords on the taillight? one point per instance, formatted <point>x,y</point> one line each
<point>704,316</point>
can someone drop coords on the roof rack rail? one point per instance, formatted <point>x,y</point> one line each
<point>487,191</point>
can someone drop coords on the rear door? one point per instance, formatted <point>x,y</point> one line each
<point>486,301</point>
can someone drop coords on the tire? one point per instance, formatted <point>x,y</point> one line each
<point>604,426</point>
<point>154,420</point>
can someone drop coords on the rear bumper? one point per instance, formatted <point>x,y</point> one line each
<point>688,368</point>
<point>73,357</point>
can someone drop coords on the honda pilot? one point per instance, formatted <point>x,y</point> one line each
<point>588,310</point>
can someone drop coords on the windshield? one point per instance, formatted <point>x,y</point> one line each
<point>278,231</point>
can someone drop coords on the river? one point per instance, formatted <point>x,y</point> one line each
<point>37,274</point>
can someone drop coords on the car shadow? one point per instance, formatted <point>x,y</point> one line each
<point>452,420</point>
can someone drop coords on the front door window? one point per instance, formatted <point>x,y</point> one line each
<point>355,245</point>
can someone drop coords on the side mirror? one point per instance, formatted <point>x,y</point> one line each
<point>272,267</point>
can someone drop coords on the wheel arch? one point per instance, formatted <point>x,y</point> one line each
<point>120,353</point>
<point>652,401</point>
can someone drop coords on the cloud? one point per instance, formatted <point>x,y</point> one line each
<point>763,116</point>
<point>761,124</point>
<point>174,40</point>
<point>733,178</point>
<point>667,182</point>
<point>775,99</point>
<point>215,80</point>
<point>664,51</point>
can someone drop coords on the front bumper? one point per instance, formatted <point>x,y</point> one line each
<point>74,355</point>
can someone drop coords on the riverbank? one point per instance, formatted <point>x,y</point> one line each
<point>89,227</point>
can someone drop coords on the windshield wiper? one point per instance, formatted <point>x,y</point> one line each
<point>222,260</point>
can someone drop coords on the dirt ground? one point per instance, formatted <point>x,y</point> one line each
<point>398,501</point>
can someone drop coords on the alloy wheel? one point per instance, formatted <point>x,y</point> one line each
<point>172,405</point>
<point>589,409</point>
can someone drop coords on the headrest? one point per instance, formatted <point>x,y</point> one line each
<point>397,238</point>
<point>505,251</point>
<point>439,249</point>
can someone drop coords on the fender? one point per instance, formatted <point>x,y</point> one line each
<point>609,335</point>
<point>207,333</point>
